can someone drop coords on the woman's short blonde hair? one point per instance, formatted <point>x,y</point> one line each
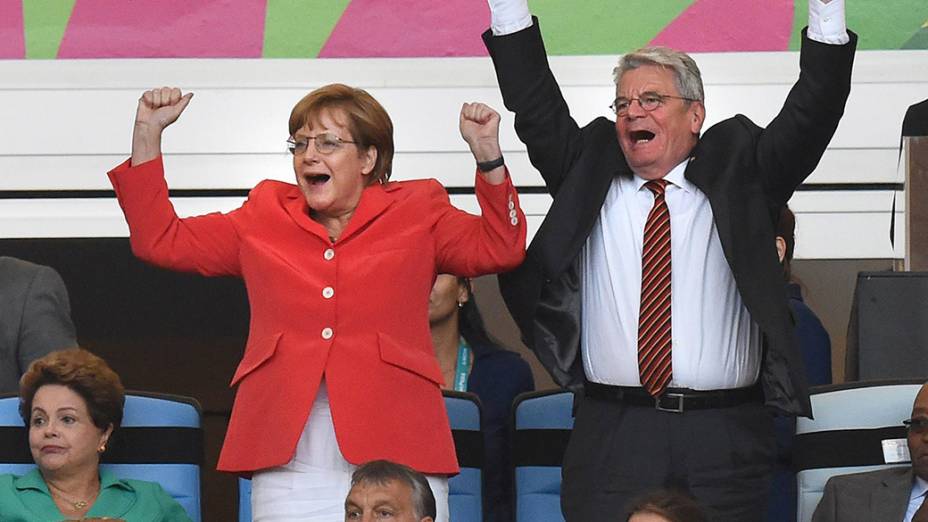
<point>368,122</point>
<point>86,375</point>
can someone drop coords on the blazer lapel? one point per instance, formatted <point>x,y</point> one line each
<point>890,501</point>
<point>374,201</point>
<point>298,210</point>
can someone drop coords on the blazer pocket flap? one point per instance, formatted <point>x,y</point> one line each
<point>256,353</point>
<point>397,354</point>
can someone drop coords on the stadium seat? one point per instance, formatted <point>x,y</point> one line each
<point>851,421</point>
<point>244,500</point>
<point>160,441</point>
<point>542,422</point>
<point>465,490</point>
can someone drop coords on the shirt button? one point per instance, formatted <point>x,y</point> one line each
<point>328,292</point>
<point>513,214</point>
<point>514,221</point>
<point>328,254</point>
<point>511,205</point>
<point>327,333</point>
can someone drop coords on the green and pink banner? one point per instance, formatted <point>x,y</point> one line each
<point>47,29</point>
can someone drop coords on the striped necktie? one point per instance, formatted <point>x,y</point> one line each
<point>654,358</point>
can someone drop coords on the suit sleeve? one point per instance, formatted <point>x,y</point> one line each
<point>790,147</point>
<point>205,244</point>
<point>469,245</point>
<point>542,118</point>
<point>46,325</point>
<point>827,507</point>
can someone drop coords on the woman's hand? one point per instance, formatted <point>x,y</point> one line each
<point>480,129</point>
<point>157,109</point>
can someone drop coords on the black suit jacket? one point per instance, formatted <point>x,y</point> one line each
<point>747,173</point>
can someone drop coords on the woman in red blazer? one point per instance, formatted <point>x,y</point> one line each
<point>339,367</point>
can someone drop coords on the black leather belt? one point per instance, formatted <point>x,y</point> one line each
<point>675,400</point>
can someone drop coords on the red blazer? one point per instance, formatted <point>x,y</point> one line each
<point>354,311</point>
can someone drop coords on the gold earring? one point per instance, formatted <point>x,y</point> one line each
<point>102,448</point>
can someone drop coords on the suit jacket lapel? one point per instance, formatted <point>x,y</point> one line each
<point>700,172</point>
<point>586,197</point>
<point>890,501</point>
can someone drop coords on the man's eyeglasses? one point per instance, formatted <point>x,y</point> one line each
<point>326,143</point>
<point>648,101</point>
<point>919,426</point>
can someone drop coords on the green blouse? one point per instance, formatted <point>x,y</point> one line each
<point>26,499</point>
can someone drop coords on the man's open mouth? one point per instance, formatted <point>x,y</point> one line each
<point>641,136</point>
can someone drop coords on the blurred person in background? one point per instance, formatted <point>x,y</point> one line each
<point>666,506</point>
<point>35,317</point>
<point>472,361</point>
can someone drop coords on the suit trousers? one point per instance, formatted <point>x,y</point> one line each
<point>721,456</point>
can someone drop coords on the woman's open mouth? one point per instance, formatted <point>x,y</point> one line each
<point>316,179</point>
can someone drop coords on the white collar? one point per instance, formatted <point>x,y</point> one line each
<point>675,177</point>
<point>919,488</point>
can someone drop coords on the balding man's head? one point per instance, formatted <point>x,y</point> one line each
<point>918,433</point>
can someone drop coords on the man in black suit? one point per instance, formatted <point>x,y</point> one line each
<point>35,317</point>
<point>653,287</point>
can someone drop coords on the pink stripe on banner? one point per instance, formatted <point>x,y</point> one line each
<point>164,29</point>
<point>12,37</point>
<point>724,25</point>
<point>403,28</point>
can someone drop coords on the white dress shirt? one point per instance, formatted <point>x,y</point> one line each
<point>919,488</point>
<point>715,343</point>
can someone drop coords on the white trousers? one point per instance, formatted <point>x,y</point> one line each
<point>312,487</point>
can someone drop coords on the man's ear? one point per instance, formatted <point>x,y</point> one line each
<point>427,519</point>
<point>697,116</point>
<point>781,248</point>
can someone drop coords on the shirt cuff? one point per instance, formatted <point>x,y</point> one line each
<point>509,16</point>
<point>827,23</point>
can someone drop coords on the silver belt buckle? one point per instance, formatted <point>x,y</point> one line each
<point>672,409</point>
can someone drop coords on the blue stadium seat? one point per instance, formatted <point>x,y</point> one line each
<point>851,421</point>
<point>465,490</point>
<point>244,500</point>
<point>542,422</point>
<point>160,441</point>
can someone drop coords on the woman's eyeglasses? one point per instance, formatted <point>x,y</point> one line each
<point>325,142</point>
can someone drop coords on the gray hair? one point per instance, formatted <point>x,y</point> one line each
<point>381,472</point>
<point>685,71</point>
